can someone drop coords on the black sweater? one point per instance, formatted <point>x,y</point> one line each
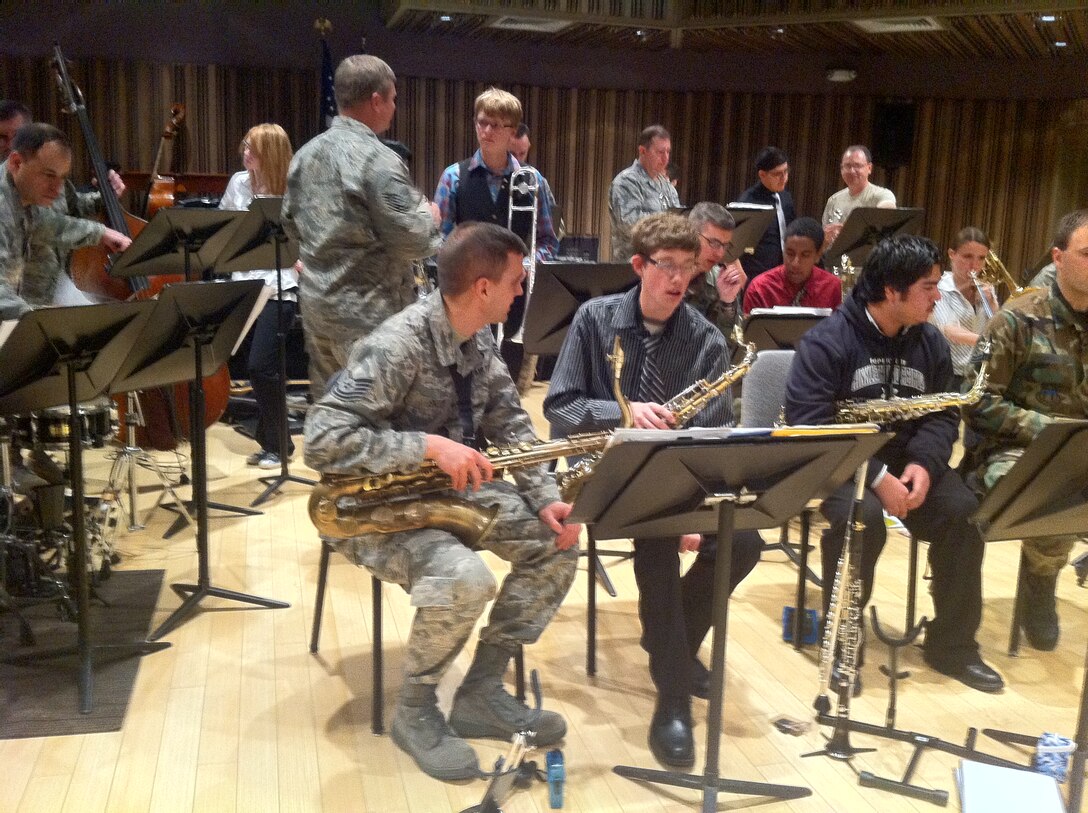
<point>845,357</point>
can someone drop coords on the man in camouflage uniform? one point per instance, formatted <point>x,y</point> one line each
<point>31,179</point>
<point>422,388</point>
<point>715,290</point>
<point>1037,375</point>
<point>359,221</point>
<point>641,189</point>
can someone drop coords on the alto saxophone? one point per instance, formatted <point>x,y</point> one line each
<point>345,506</point>
<point>684,407</point>
<point>890,410</point>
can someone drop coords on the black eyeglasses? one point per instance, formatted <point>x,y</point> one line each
<point>717,245</point>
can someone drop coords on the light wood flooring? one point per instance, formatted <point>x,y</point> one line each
<point>237,715</point>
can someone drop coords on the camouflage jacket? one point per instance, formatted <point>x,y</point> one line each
<point>47,260</point>
<point>1036,371</point>
<point>397,388</point>
<point>360,223</point>
<point>633,195</point>
<point>28,234</point>
<point>702,294</point>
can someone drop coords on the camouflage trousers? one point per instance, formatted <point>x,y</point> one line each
<point>450,584</point>
<point>327,356</point>
<point>1044,556</point>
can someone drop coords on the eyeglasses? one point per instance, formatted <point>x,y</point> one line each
<point>717,245</point>
<point>489,124</point>
<point>857,167</point>
<point>670,269</point>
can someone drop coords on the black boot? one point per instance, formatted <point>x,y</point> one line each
<point>670,732</point>
<point>1038,610</point>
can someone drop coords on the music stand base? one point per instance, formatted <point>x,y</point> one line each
<point>711,787</point>
<point>183,518</point>
<point>198,593</point>
<point>275,483</point>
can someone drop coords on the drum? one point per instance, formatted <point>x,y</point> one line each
<point>49,427</point>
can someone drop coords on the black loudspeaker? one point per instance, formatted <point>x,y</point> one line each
<point>893,133</point>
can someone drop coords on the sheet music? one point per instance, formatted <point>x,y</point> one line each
<point>5,330</point>
<point>790,310</point>
<point>698,433</point>
<point>990,787</point>
<point>262,298</point>
<point>756,207</point>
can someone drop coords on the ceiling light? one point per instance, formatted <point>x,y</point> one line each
<point>446,18</point>
<point>1048,18</point>
<point>841,74</point>
<point>1060,44</point>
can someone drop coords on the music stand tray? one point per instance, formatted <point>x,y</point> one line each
<point>778,331</point>
<point>1043,494</point>
<point>188,336</point>
<point>559,290</point>
<point>177,241</point>
<point>65,356</point>
<point>258,242</point>
<point>867,226</point>
<point>672,483</point>
<point>752,220</point>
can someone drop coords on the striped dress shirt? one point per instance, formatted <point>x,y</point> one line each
<point>580,396</point>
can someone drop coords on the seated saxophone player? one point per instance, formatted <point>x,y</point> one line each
<point>715,289</point>
<point>667,346</point>
<point>424,387</point>
<point>879,345</point>
<point>1036,376</point>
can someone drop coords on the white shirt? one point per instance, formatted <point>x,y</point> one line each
<point>954,309</point>
<point>236,198</point>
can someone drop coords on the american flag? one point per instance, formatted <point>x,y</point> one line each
<point>327,110</point>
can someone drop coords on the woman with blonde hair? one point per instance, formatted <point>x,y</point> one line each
<point>266,152</point>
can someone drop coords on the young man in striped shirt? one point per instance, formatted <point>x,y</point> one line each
<point>667,346</point>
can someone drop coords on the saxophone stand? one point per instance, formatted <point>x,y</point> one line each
<point>69,355</point>
<point>1043,494</point>
<point>558,291</point>
<point>715,482</point>
<point>260,242</point>
<point>188,336</point>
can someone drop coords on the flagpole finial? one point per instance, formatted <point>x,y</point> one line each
<point>322,26</point>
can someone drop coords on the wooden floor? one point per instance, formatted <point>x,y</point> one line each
<point>238,716</point>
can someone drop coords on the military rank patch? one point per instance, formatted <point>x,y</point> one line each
<point>347,388</point>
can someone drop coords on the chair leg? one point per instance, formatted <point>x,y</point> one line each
<point>319,602</point>
<point>1017,608</point>
<point>800,599</point>
<point>377,724</point>
<point>591,607</point>
<point>519,672</point>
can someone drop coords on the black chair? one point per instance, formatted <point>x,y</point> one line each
<point>377,724</point>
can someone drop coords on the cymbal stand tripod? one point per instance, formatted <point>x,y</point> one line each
<point>123,473</point>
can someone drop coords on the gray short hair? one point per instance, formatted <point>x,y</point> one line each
<point>713,213</point>
<point>360,76</point>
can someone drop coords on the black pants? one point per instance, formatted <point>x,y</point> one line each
<point>676,612</point>
<point>955,556</point>
<point>264,371</point>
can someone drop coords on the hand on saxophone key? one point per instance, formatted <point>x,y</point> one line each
<point>553,515</point>
<point>465,465</point>
<point>650,416</point>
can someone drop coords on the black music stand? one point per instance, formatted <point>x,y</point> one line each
<point>558,291</point>
<point>692,482</point>
<point>178,241</point>
<point>752,220</point>
<point>867,226</point>
<point>189,335</point>
<point>1044,494</point>
<point>778,331</point>
<point>60,356</point>
<point>260,242</point>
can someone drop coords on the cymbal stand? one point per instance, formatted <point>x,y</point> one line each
<point>123,472</point>
<point>7,602</point>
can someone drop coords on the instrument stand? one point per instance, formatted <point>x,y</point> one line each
<point>69,355</point>
<point>247,250</point>
<point>696,482</point>
<point>1043,495</point>
<point>188,336</point>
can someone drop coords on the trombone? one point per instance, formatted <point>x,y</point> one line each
<point>525,184</point>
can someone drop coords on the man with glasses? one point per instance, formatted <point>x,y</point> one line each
<point>478,189</point>
<point>856,167</point>
<point>715,290</point>
<point>667,346</point>
<point>641,189</point>
<point>773,169</point>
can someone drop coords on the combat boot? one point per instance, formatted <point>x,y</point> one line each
<point>1038,610</point>
<point>483,708</point>
<point>420,730</point>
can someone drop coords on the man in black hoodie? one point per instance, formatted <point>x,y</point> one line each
<point>879,345</point>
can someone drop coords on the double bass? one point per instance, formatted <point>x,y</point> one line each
<point>166,410</point>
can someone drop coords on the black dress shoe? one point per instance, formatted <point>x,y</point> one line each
<point>700,679</point>
<point>670,733</point>
<point>970,672</point>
